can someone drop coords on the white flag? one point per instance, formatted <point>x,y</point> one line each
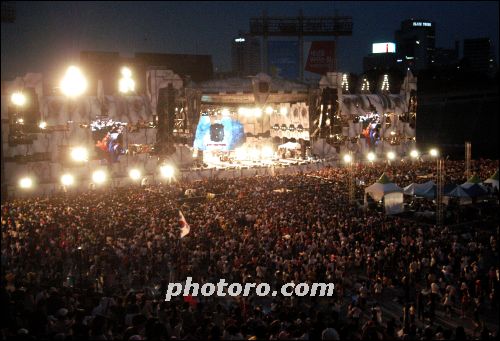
<point>185,228</point>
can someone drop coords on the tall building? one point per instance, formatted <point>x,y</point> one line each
<point>446,57</point>
<point>478,55</point>
<point>245,55</point>
<point>416,43</point>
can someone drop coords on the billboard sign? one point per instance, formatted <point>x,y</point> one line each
<point>321,57</point>
<point>384,48</point>
<point>283,59</point>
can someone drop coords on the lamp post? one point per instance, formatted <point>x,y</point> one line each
<point>434,153</point>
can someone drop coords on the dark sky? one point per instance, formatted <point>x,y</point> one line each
<point>47,36</point>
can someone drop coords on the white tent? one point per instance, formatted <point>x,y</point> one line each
<point>391,193</point>
<point>493,180</point>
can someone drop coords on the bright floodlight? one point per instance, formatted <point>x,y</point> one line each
<point>391,155</point>
<point>79,154</point>
<point>283,111</point>
<point>99,176</point>
<point>26,183</point>
<point>414,153</point>
<point>225,112</point>
<point>434,152</point>
<point>18,99</point>
<point>126,85</point>
<point>269,110</point>
<point>371,156</point>
<point>135,174</point>
<point>347,158</point>
<point>67,180</point>
<point>257,112</point>
<point>167,171</point>
<point>74,83</point>
<point>43,125</point>
<point>125,71</point>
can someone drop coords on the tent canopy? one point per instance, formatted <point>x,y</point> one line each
<point>476,190</point>
<point>455,191</point>
<point>382,187</point>
<point>426,190</point>
<point>473,180</point>
<point>495,176</point>
<point>493,180</point>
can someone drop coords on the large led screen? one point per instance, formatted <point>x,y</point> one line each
<point>218,134</point>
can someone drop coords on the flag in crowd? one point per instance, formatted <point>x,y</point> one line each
<point>185,228</point>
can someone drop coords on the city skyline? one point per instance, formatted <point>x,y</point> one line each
<point>205,28</point>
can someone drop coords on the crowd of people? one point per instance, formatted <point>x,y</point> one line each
<point>96,264</point>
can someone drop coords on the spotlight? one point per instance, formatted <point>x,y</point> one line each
<point>225,112</point>
<point>74,83</point>
<point>269,110</point>
<point>99,176</point>
<point>167,171</point>
<point>135,174</point>
<point>42,125</point>
<point>126,85</point>
<point>434,152</point>
<point>371,156</point>
<point>414,153</point>
<point>67,180</point>
<point>26,183</point>
<point>79,154</point>
<point>257,112</point>
<point>18,99</point>
<point>125,71</point>
<point>347,158</point>
<point>391,155</point>
<point>283,111</point>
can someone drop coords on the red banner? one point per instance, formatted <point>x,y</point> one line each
<point>321,58</point>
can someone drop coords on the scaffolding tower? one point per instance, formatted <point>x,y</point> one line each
<point>467,159</point>
<point>440,190</point>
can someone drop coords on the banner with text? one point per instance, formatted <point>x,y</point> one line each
<point>321,57</point>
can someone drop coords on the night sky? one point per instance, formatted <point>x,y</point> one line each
<point>47,36</point>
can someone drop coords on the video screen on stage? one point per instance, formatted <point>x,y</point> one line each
<point>371,128</point>
<point>108,138</point>
<point>218,134</point>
